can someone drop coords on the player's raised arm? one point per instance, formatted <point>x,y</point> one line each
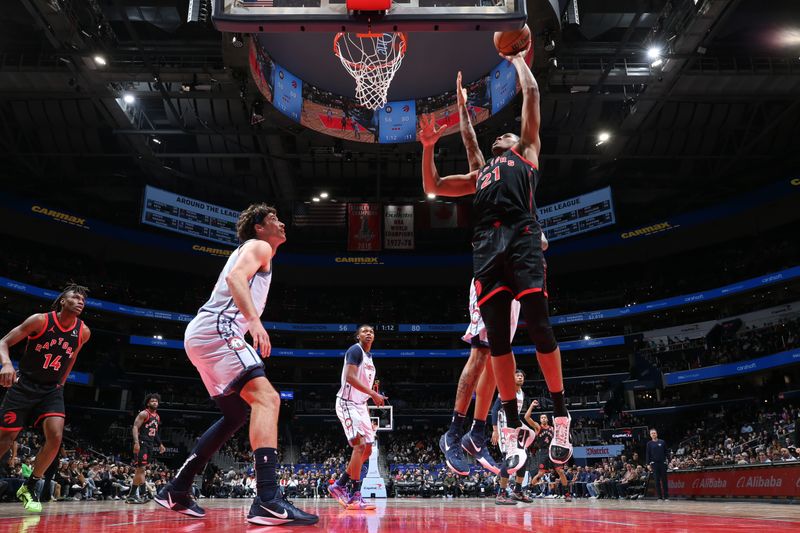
<point>531,422</point>
<point>432,183</point>
<point>254,256</point>
<point>531,118</point>
<point>468,137</point>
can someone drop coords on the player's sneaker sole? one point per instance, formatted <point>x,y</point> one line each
<point>560,450</point>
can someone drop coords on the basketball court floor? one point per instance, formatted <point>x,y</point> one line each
<point>453,516</point>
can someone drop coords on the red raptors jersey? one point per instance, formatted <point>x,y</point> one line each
<point>50,354</point>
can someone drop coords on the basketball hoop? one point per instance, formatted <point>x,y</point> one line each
<point>372,59</point>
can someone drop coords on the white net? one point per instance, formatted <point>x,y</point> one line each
<point>372,59</point>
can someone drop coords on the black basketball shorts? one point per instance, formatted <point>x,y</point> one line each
<point>508,258</point>
<point>145,455</point>
<point>27,404</point>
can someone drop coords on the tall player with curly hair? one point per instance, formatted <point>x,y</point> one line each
<point>233,373</point>
<point>145,438</point>
<point>36,398</point>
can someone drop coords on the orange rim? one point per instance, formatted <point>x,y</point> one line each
<point>359,66</point>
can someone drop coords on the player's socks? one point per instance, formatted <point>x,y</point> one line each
<point>559,409</point>
<point>343,480</point>
<point>457,423</point>
<point>266,480</point>
<point>31,484</point>
<point>512,414</point>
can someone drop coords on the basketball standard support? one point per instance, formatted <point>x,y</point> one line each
<point>373,485</point>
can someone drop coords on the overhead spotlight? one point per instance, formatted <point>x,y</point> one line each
<point>654,52</point>
<point>128,98</point>
<point>156,140</point>
<point>315,199</point>
<point>237,40</point>
<point>586,337</point>
<point>553,62</point>
<point>657,63</point>
<point>602,137</point>
<point>323,195</point>
<point>100,61</point>
<point>431,196</point>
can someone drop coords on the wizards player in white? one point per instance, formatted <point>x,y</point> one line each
<point>233,373</point>
<point>502,435</point>
<point>358,376</point>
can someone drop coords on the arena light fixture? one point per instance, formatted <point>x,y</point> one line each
<point>128,98</point>
<point>237,40</point>
<point>315,199</point>
<point>603,137</point>
<point>323,195</point>
<point>654,53</point>
<point>586,337</point>
<point>431,196</point>
<point>100,61</point>
<point>657,63</point>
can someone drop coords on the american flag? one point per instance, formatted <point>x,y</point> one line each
<point>319,214</point>
<point>255,3</point>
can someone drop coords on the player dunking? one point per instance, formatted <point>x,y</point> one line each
<point>544,435</point>
<point>53,342</point>
<point>476,376</point>
<point>508,262</point>
<point>233,372</point>
<point>358,376</point>
<point>145,438</point>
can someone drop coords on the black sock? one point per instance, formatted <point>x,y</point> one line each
<point>457,423</point>
<point>559,409</point>
<point>266,480</point>
<point>31,484</point>
<point>512,414</point>
<point>356,485</point>
<point>344,479</point>
<point>479,427</point>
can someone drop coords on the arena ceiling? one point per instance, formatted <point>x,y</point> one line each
<point>719,115</point>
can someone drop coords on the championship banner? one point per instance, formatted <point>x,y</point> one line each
<point>757,481</point>
<point>398,227</point>
<point>363,227</point>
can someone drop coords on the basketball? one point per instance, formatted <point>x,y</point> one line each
<point>511,42</point>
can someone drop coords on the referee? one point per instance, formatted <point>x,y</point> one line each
<point>656,459</point>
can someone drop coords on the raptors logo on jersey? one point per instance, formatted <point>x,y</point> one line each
<point>49,355</point>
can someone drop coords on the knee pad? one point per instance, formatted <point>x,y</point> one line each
<point>234,410</point>
<point>534,307</point>
<point>496,314</point>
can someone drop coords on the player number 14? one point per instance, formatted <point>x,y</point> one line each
<point>52,362</point>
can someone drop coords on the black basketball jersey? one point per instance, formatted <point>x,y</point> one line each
<point>50,355</point>
<point>504,191</point>
<point>543,438</point>
<point>149,430</point>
